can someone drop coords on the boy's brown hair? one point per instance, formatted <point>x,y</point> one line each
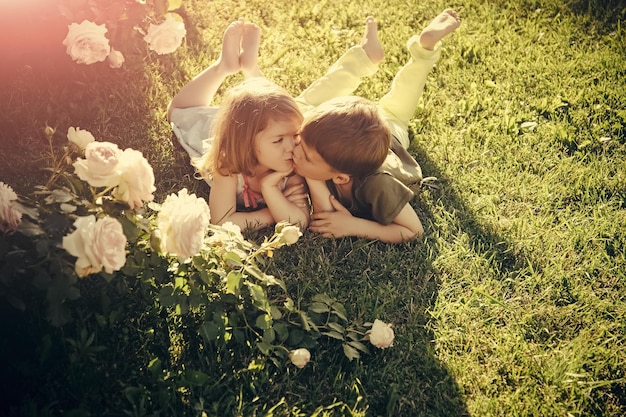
<point>349,134</point>
<point>247,109</point>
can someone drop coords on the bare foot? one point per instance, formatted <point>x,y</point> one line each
<point>229,59</point>
<point>447,22</point>
<point>370,43</point>
<point>248,58</point>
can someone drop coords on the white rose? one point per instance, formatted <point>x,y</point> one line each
<point>166,37</point>
<point>99,168</point>
<point>227,238</point>
<point>86,42</point>
<point>381,335</point>
<point>182,223</point>
<point>97,244</point>
<point>10,218</point>
<point>136,179</point>
<point>289,234</point>
<point>79,137</point>
<point>232,229</point>
<point>300,357</point>
<point>115,58</point>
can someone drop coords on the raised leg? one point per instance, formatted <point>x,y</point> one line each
<point>202,88</point>
<point>345,75</point>
<point>249,56</point>
<point>400,103</point>
<point>447,22</point>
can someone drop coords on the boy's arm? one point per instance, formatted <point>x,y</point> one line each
<point>405,226</point>
<point>320,196</point>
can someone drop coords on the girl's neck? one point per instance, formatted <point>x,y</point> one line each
<point>260,171</point>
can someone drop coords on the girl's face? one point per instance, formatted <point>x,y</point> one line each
<point>274,145</point>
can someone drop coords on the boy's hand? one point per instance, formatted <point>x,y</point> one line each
<point>338,223</point>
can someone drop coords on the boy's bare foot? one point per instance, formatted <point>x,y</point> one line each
<point>231,43</point>
<point>447,22</point>
<point>248,58</point>
<point>370,43</point>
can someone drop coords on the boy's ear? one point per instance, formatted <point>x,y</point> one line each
<point>341,178</point>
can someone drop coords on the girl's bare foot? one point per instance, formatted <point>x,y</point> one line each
<point>248,58</point>
<point>370,43</point>
<point>447,22</point>
<point>229,59</point>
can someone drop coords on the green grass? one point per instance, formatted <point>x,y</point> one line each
<point>514,304</point>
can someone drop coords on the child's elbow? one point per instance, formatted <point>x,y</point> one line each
<point>416,232</point>
<point>303,222</point>
<point>419,232</point>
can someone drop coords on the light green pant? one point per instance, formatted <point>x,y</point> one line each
<point>398,105</point>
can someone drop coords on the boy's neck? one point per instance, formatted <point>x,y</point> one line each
<point>345,190</point>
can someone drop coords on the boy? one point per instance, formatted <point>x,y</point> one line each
<point>353,153</point>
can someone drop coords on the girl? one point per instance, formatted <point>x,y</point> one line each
<point>248,161</point>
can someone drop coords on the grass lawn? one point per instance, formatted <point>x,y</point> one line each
<point>514,302</point>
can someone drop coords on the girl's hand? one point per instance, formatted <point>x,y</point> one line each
<point>273,180</point>
<point>285,205</point>
<point>296,194</point>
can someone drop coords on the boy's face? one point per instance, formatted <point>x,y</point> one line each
<point>309,164</point>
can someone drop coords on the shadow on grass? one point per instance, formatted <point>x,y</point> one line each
<point>399,284</point>
<point>504,257</point>
<point>606,11</point>
<point>394,283</point>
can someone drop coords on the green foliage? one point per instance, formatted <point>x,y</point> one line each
<point>219,304</point>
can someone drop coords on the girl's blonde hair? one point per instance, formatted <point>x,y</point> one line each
<point>246,110</point>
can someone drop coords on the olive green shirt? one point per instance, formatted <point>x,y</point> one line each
<point>382,195</point>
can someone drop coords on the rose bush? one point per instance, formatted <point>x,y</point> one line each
<point>127,172</point>
<point>135,179</point>
<point>182,224</point>
<point>92,247</point>
<point>116,22</point>
<point>99,167</point>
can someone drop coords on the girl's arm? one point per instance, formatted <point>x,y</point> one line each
<point>223,205</point>
<point>291,205</point>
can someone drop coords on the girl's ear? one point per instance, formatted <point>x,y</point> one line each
<point>341,179</point>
